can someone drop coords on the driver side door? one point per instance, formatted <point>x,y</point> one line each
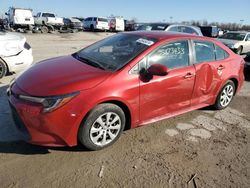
<point>163,96</point>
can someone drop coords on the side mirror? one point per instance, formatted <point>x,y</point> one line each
<point>6,14</point>
<point>158,70</point>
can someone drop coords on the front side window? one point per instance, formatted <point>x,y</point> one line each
<point>114,52</point>
<point>248,37</point>
<point>173,29</point>
<point>204,51</point>
<point>172,55</point>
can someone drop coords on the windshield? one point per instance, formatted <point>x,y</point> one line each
<point>234,36</point>
<point>114,52</point>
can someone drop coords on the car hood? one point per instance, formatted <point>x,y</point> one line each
<point>11,43</point>
<point>58,76</point>
<point>228,41</point>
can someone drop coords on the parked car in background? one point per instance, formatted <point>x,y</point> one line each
<point>170,27</point>
<point>210,31</point>
<point>116,24</point>
<point>247,59</point>
<point>15,53</point>
<point>124,81</point>
<point>20,18</point>
<point>48,21</point>
<point>238,41</point>
<point>72,23</point>
<point>79,18</point>
<point>96,23</point>
<point>129,25</point>
<point>3,23</point>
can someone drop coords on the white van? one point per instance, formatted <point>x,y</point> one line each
<point>96,23</point>
<point>116,24</point>
<point>20,17</point>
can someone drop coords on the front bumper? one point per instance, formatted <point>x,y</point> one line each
<point>58,128</point>
<point>247,65</point>
<point>19,62</point>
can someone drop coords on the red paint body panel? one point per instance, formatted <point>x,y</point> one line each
<point>159,98</point>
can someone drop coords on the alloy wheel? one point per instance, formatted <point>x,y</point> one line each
<point>105,129</point>
<point>226,95</point>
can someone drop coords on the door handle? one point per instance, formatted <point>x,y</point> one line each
<point>221,67</point>
<point>188,75</point>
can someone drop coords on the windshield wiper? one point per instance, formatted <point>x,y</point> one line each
<point>88,61</point>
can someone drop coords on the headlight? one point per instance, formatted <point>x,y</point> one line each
<point>230,45</point>
<point>50,103</point>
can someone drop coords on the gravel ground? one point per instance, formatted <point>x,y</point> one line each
<point>211,146</point>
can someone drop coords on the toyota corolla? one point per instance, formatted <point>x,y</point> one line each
<point>122,82</point>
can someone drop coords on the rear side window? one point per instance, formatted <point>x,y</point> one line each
<point>220,53</point>
<point>172,55</point>
<point>204,51</point>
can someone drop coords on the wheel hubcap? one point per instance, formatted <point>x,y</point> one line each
<point>105,129</point>
<point>226,95</point>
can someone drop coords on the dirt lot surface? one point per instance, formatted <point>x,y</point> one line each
<point>213,146</point>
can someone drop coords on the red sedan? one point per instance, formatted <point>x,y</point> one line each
<point>122,82</point>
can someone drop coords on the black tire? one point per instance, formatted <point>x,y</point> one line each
<point>44,29</point>
<point>218,105</point>
<point>239,50</point>
<point>92,28</point>
<point>84,134</point>
<point>3,69</point>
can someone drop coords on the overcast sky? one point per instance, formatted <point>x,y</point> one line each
<point>143,10</point>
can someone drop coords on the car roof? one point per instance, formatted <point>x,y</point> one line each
<point>163,35</point>
<point>245,32</point>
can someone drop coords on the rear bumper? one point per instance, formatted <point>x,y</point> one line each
<point>102,27</point>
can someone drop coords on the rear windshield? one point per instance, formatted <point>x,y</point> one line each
<point>48,15</point>
<point>234,36</point>
<point>102,20</point>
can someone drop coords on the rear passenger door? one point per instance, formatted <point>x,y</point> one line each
<point>210,63</point>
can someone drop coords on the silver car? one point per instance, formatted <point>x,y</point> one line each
<point>238,41</point>
<point>170,27</point>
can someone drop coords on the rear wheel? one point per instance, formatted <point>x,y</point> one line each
<point>102,127</point>
<point>44,29</point>
<point>3,69</point>
<point>225,96</point>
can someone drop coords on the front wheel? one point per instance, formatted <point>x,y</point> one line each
<point>225,96</point>
<point>3,69</point>
<point>102,127</point>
